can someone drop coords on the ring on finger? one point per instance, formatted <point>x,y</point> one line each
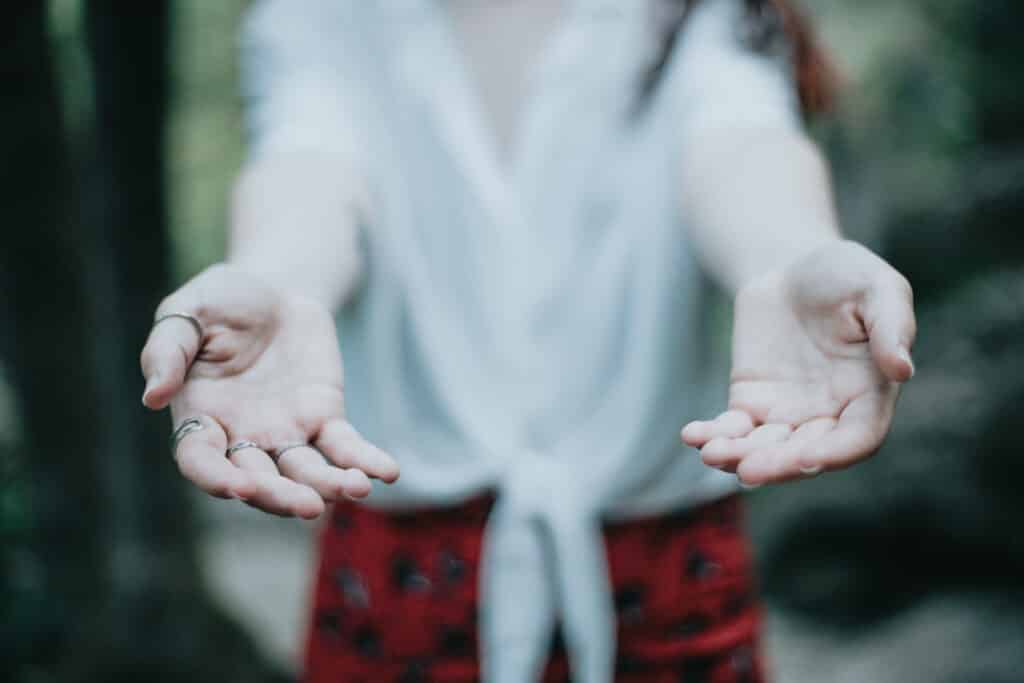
<point>277,453</point>
<point>187,317</point>
<point>187,426</point>
<point>240,446</point>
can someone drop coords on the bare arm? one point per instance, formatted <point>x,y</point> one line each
<point>756,200</point>
<point>294,223</point>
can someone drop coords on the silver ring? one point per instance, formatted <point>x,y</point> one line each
<point>194,321</point>
<point>278,452</point>
<point>187,426</point>
<point>240,446</point>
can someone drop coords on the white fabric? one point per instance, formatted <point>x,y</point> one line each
<point>536,327</point>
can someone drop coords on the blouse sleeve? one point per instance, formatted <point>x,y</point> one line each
<point>295,87</point>
<point>717,80</point>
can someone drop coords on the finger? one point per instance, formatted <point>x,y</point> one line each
<point>806,435</point>
<point>274,493</point>
<point>858,434</point>
<point>169,351</point>
<point>785,461</point>
<point>345,447</point>
<point>891,326</point>
<point>726,453</point>
<point>306,465</point>
<point>730,425</point>
<point>855,436</point>
<point>200,458</point>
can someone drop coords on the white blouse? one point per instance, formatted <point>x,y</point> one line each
<point>532,323</point>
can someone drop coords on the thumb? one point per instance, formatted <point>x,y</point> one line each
<point>891,326</point>
<point>173,344</point>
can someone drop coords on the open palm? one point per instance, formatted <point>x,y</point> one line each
<point>819,351</point>
<point>267,371</point>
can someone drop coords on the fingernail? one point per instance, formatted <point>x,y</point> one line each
<point>812,471</point>
<point>905,357</point>
<point>151,384</point>
<point>748,487</point>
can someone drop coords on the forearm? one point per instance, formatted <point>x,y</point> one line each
<point>755,201</point>
<point>294,224</point>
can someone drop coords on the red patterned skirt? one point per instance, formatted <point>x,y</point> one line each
<point>396,597</point>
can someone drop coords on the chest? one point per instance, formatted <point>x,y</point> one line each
<point>521,109</point>
<point>500,46</point>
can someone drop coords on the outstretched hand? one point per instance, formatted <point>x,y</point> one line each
<point>267,370</point>
<point>819,352</point>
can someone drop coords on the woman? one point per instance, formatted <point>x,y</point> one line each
<point>512,206</point>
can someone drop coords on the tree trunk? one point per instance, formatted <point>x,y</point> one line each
<point>47,348</point>
<point>117,595</point>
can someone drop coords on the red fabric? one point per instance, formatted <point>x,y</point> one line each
<point>396,598</point>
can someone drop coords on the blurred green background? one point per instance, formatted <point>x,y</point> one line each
<point>122,134</point>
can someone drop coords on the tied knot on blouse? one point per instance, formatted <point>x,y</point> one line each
<point>544,554</point>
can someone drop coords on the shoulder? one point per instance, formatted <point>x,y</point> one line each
<point>722,75</point>
<point>737,29</point>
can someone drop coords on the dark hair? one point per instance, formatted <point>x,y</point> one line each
<point>768,23</point>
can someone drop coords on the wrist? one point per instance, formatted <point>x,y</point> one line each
<point>278,298</point>
<point>303,284</point>
<point>807,272</point>
<point>772,265</point>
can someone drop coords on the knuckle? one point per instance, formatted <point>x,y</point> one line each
<point>904,286</point>
<point>169,304</point>
<point>891,280</point>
